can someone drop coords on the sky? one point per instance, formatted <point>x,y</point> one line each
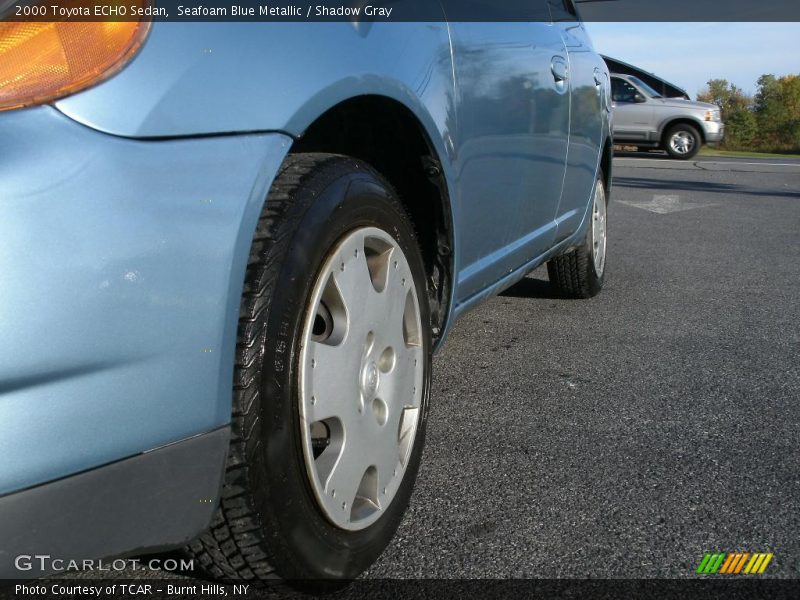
<point>689,54</point>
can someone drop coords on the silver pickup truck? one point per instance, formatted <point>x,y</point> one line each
<point>643,118</point>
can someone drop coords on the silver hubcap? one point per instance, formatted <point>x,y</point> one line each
<point>361,378</point>
<point>599,229</point>
<point>682,142</point>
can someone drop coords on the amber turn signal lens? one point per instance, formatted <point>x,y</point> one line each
<point>40,62</point>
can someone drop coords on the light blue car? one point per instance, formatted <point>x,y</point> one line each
<point>230,251</point>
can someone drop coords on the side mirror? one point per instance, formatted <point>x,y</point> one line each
<point>638,98</point>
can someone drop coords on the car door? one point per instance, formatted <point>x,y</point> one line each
<point>633,118</point>
<point>588,81</point>
<point>511,143</point>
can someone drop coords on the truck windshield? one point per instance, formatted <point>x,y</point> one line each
<point>647,89</point>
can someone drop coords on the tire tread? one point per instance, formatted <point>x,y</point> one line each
<point>572,274</point>
<point>234,547</point>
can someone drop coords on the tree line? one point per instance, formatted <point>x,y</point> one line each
<point>769,121</point>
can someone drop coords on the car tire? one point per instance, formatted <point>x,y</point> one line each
<point>331,225</point>
<point>682,141</point>
<point>580,273</point>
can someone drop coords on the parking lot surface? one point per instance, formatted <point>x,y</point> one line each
<point>627,435</point>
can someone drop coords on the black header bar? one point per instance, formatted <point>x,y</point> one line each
<point>401,10</point>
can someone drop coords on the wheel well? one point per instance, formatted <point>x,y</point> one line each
<point>691,122</point>
<point>605,164</point>
<point>387,135</point>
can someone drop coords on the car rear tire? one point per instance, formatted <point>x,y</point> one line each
<point>580,273</point>
<point>331,381</point>
<point>682,141</point>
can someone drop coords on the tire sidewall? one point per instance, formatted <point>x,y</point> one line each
<point>596,280</point>
<point>306,544</point>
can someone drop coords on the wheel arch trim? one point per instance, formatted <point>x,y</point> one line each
<point>672,121</point>
<point>434,135</point>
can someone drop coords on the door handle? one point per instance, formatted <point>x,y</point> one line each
<point>599,85</point>
<point>559,68</point>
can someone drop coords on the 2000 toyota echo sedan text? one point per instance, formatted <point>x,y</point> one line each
<point>230,250</point>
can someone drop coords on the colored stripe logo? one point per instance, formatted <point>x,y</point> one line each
<point>734,563</point>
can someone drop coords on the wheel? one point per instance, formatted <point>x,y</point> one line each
<point>580,273</point>
<point>331,382</point>
<point>682,141</point>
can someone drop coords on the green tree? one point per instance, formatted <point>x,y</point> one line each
<point>740,122</point>
<point>741,130</point>
<point>770,121</point>
<point>777,110</point>
<point>727,96</point>
<point>769,111</point>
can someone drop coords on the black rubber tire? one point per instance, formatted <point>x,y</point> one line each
<point>269,524</point>
<point>573,274</point>
<point>698,140</point>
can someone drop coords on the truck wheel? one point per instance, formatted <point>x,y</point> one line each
<point>331,384</point>
<point>580,272</point>
<point>682,141</point>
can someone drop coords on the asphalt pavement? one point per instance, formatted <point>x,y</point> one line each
<point>626,435</point>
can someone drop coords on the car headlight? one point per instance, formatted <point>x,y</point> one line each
<point>43,61</point>
<point>713,115</point>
